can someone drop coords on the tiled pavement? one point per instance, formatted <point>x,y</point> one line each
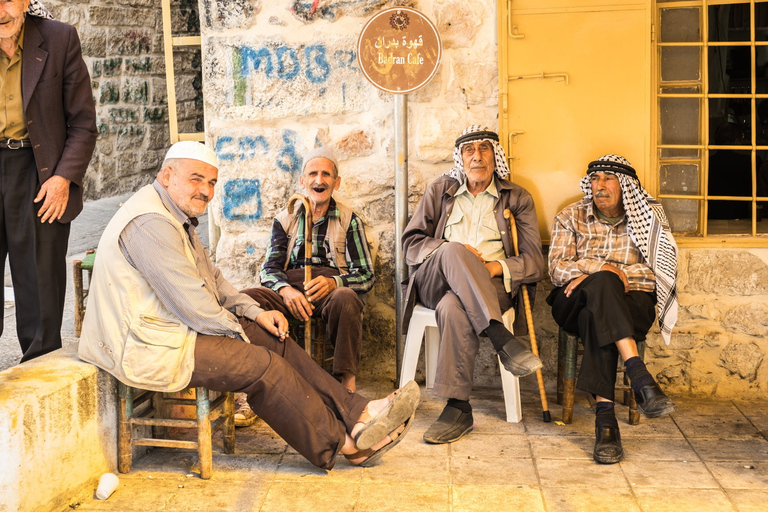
<point>710,455</point>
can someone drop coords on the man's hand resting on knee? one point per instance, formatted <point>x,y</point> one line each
<point>274,322</point>
<point>296,303</point>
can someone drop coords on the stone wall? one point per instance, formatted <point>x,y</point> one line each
<point>123,49</point>
<point>281,77</point>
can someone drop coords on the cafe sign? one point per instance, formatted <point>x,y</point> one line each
<point>399,50</point>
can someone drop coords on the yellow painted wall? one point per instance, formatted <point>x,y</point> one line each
<point>604,49</point>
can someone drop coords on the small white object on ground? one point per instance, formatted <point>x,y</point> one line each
<point>107,485</point>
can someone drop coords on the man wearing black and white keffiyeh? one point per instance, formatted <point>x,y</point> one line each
<point>612,258</point>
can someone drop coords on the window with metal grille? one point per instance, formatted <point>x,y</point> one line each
<point>712,118</point>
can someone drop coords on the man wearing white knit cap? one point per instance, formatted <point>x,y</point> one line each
<point>161,317</point>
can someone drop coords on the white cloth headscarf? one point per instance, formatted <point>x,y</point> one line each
<point>36,8</point>
<point>475,133</point>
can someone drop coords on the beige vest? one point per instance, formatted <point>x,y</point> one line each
<point>127,331</point>
<point>337,234</point>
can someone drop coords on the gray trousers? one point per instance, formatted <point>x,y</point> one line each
<point>456,284</point>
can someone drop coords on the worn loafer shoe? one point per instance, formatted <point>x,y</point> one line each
<point>451,426</point>
<point>518,360</point>
<point>608,448</point>
<point>652,402</point>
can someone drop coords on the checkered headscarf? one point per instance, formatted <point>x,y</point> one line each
<point>475,133</point>
<point>648,227</point>
<point>36,8</point>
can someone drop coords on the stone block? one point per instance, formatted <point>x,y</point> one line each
<point>136,3</point>
<point>751,319</point>
<point>96,68</point>
<point>742,359</point>
<point>127,164</point>
<point>435,133</point>
<point>112,66</point>
<point>726,272</point>
<point>70,15</point>
<point>118,16</point>
<point>109,92</point>
<point>155,114</point>
<point>458,22</point>
<point>158,136</point>
<point>159,91</point>
<point>242,255</point>
<point>229,14</point>
<point>145,65</point>
<point>121,115</point>
<point>268,79</point>
<point>93,41</point>
<point>472,83</point>
<point>130,137</point>
<point>129,41</point>
<point>354,144</point>
<point>331,10</point>
<point>135,91</point>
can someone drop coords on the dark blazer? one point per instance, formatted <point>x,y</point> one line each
<point>58,105</point>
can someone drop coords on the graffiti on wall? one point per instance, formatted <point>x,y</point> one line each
<point>242,200</point>
<point>248,147</point>
<point>310,10</point>
<point>277,79</point>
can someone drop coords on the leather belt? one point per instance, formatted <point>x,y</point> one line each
<point>15,143</point>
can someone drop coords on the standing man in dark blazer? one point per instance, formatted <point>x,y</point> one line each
<point>47,137</point>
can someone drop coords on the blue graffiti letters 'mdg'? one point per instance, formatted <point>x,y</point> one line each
<point>288,160</point>
<point>317,64</point>
<point>255,59</point>
<point>287,63</point>
<point>242,200</point>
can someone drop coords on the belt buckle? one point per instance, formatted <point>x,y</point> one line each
<point>13,144</point>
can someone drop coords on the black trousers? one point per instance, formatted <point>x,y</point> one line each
<point>37,254</point>
<point>601,314</point>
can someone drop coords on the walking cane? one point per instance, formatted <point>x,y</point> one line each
<point>529,318</point>
<point>307,258</point>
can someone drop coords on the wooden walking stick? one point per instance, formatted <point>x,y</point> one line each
<point>529,318</point>
<point>307,258</point>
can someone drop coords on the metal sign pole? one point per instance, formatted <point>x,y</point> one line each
<point>401,217</point>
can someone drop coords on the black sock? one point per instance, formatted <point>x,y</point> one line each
<point>498,334</point>
<point>638,373</point>
<point>462,405</point>
<point>605,415</point>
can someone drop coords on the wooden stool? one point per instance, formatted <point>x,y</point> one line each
<point>210,416</point>
<point>80,291</point>
<point>319,346</point>
<point>567,353</point>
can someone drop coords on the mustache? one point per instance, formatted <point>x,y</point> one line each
<point>601,194</point>
<point>202,196</point>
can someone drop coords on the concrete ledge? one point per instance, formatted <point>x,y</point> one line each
<point>58,431</point>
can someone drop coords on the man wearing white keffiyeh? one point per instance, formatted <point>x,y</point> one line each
<point>612,258</point>
<point>463,266</point>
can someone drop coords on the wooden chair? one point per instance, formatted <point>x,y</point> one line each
<point>567,353</point>
<point>80,291</point>
<point>210,416</point>
<point>318,342</point>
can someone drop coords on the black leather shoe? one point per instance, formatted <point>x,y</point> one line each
<point>608,448</point>
<point>518,360</point>
<point>652,402</point>
<point>451,426</point>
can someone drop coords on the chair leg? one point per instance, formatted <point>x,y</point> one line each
<point>204,450</point>
<point>431,352</point>
<point>569,381</point>
<point>124,446</point>
<point>411,352</point>
<point>229,423</point>
<point>77,279</point>
<point>562,338</point>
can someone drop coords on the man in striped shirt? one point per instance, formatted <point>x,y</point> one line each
<point>606,289</point>
<point>342,269</point>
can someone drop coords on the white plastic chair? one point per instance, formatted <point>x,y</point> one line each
<point>424,324</point>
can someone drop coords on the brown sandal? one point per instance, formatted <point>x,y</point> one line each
<point>402,405</point>
<point>371,456</point>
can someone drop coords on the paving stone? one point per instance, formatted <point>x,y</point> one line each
<point>484,498</point>
<point>311,495</point>
<point>725,426</point>
<point>748,500</point>
<point>675,500</point>
<point>403,497</point>
<point>667,474</point>
<point>580,473</point>
<point>294,467</point>
<point>490,445</point>
<point>754,450</point>
<point>398,466</point>
<point>584,498</point>
<point>492,471</point>
<point>737,475</point>
<point>562,447</point>
<point>658,448</point>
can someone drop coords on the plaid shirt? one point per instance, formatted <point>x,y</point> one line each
<point>360,275</point>
<point>581,243</point>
